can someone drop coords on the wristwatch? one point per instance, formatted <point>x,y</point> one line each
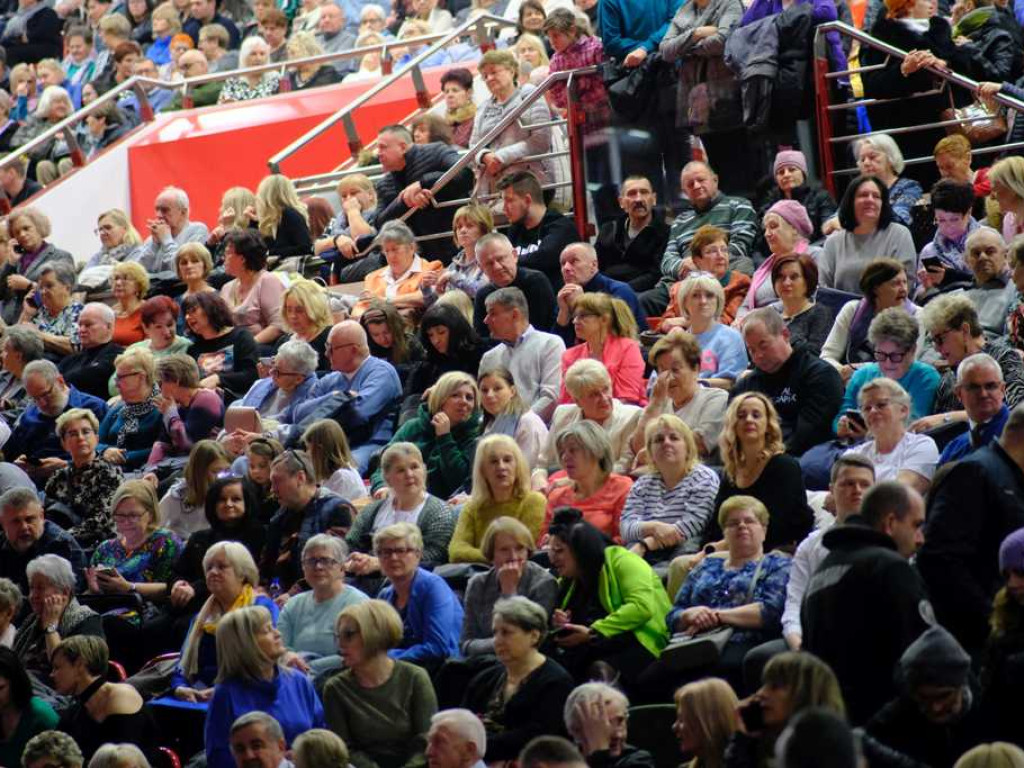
<point>50,629</point>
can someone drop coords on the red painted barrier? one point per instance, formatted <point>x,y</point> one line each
<point>207,151</point>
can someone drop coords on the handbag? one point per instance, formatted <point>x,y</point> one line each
<point>685,652</point>
<point>979,124</point>
<point>630,89</point>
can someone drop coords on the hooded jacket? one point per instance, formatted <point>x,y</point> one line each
<point>863,606</point>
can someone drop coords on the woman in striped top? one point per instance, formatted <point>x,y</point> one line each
<point>667,509</point>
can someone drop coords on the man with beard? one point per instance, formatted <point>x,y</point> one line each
<point>34,444</point>
<point>629,248</point>
<point>580,272</point>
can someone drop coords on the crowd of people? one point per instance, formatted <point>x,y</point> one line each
<point>482,485</point>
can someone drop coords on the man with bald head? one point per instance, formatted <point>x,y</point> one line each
<point>705,204</point>
<point>91,367</point>
<point>372,384</point>
<point>193,64</point>
<point>579,266</point>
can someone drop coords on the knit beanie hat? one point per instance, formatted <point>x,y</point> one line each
<point>790,157</point>
<point>1011,552</point>
<point>795,215</point>
<point>935,658</point>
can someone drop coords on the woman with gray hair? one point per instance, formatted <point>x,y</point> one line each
<point>292,376</point>
<point>10,604</point>
<point>119,756</point>
<point>399,280</point>
<point>893,335</point>
<point>307,620</point>
<point>525,694</point>
<point>597,717</point>
<point>254,52</point>
<point>585,453</point>
<point>29,228</point>
<point>408,501</point>
<point>52,310</point>
<point>56,614</point>
<point>54,105</point>
<point>880,156</point>
<point>897,453</point>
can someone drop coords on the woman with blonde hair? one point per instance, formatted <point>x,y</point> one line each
<point>231,576</point>
<point>756,464</point>
<point>530,52</point>
<point>130,283</point>
<point>119,240</point>
<point>319,748</point>
<point>28,228</point>
<point>707,715</point>
<point>303,45</point>
<point>501,488</point>
<point>250,678</point>
<point>358,199</point>
<point>282,217</point>
<point>608,333</point>
<point>1007,179</point>
<point>132,427</point>
<point>183,506</point>
<point>370,63</point>
<point>998,754</point>
<point>193,264</point>
<point>469,224</point>
<point>306,316</point>
<point>237,210</point>
<point>166,23</point>
<point>333,465</point>
<point>505,413</point>
<point>445,430</point>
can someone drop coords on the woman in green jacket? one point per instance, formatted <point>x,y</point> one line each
<point>612,605</point>
<point>445,430</point>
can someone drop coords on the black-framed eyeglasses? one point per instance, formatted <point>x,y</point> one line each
<point>394,552</point>
<point>317,562</point>
<point>893,357</point>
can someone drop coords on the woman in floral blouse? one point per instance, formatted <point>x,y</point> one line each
<point>87,484</point>
<point>254,53</point>
<point>138,559</point>
<point>50,309</point>
<point>742,588</point>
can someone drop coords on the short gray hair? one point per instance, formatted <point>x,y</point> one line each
<point>55,745</point>
<point>105,312</point>
<point>397,232</point>
<point>511,297</point>
<point>896,393</point>
<point>56,570</point>
<point>18,499</point>
<point>26,341</point>
<point>408,532</point>
<point>523,613</point>
<point>336,546</point>
<point>496,238</point>
<point>118,756</point>
<point>885,144</point>
<point>10,595</point>
<point>51,94</point>
<point>977,360</point>
<point>465,725</point>
<point>180,197</point>
<point>586,694</point>
<point>593,439</point>
<point>769,317</point>
<point>379,10</point>
<point>300,354</point>
<point>295,461</point>
<point>894,324</point>
<point>64,273</point>
<point>270,725</point>
<point>44,368</point>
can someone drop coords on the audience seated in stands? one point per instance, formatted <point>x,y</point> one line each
<point>303,45</point>
<point>169,229</point>
<point>629,247</point>
<point>470,223</point>
<point>945,254</point>
<point>501,488</point>
<point>91,368</point>
<point>398,281</point>
<point>701,301</point>
<point>226,354</point>
<point>879,156</point>
<point>132,426</point>
<point>991,290</point>
<point>255,295</point>
<point>254,52</point>
<point>497,257</point>
<point>19,347</point>
<point>56,315</point>
<point>282,219</point>
<point>982,391</point>
<point>580,272</point>
<point>27,535</point>
<point>28,228</point>
<point>787,229</point>
<point>805,390</point>
<point>537,233</point>
<point>355,219</point>
<point>119,240</point>
<point>390,337</point>
<point>32,713</point>
<point>190,413</point>
<point>795,278</point>
<point>160,317</point>
<point>505,413</point>
<point>276,398</point>
<point>869,229</point>
<point>183,506</point>
<point>532,356</point>
<point>789,170</point>
<point>380,705</point>
<point>704,205</point>
<point>332,460</point>
<point>449,344</point>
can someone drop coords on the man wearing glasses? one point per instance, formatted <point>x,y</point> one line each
<point>34,445</point>
<point>368,418</point>
<point>980,387</point>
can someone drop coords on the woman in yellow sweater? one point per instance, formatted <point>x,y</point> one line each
<point>501,488</point>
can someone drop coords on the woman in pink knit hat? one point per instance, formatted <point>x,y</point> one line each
<point>790,175</point>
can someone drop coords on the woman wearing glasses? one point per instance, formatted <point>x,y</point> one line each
<point>286,386</point>
<point>893,335</point>
<point>139,559</point>
<point>132,427</point>
<point>607,332</point>
<point>897,453</point>
<point>87,483</point>
<point>307,620</point>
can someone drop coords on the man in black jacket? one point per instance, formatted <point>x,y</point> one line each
<point>90,368</point>
<point>865,604</point>
<point>539,235</point>
<point>497,259</point>
<point>33,33</point>
<point>805,390</point>
<point>411,170</point>
<point>629,248</point>
<point>971,510</point>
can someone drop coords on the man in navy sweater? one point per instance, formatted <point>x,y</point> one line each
<point>579,270</point>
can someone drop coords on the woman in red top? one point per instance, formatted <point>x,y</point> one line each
<point>608,333</point>
<point>585,453</point>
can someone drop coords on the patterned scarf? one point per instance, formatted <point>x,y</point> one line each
<point>131,414</point>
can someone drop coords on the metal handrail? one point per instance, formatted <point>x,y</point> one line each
<point>826,139</point>
<point>478,25</point>
<point>138,84</point>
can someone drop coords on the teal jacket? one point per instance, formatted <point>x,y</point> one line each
<point>633,595</point>
<point>449,458</point>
